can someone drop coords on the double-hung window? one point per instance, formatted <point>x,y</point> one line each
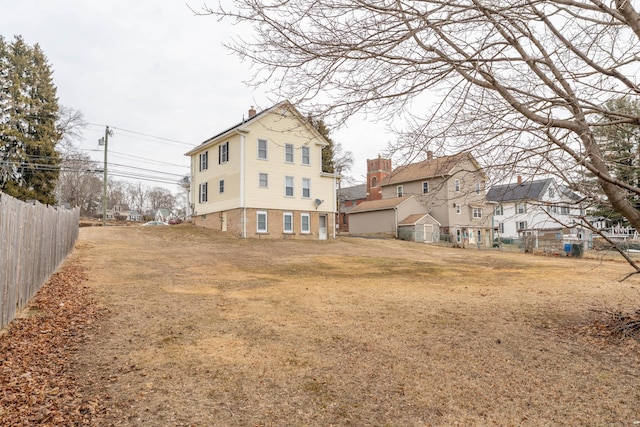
<point>456,185</point>
<point>288,153</point>
<point>203,192</point>
<point>425,187</point>
<point>288,186</point>
<point>262,149</point>
<point>499,210</point>
<point>522,225</point>
<point>306,156</point>
<point>221,186</point>
<point>287,222</point>
<point>306,188</point>
<point>223,153</point>
<point>477,213</point>
<point>261,220</point>
<point>305,223</point>
<point>521,208</point>
<point>399,191</point>
<point>204,161</point>
<point>263,179</point>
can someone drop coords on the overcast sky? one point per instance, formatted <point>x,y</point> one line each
<point>150,67</point>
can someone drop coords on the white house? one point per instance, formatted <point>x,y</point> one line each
<point>534,206</point>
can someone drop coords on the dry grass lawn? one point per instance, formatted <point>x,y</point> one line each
<point>206,330</point>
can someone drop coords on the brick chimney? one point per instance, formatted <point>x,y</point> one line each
<point>252,112</point>
<point>429,155</point>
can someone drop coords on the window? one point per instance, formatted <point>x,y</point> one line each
<point>204,161</point>
<point>522,225</point>
<point>477,213</point>
<point>288,153</point>
<point>456,185</point>
<point>478,187</point>
<point>399,191</point>
<point>223,153</point>
<point>262,149</point>
<point>553,209</point>
<point>221,186</point>
<point>288,186</point>
<point>306,156</point>
<point>261,221</point>
<point>306,187</point>
<point>458,209</point>
<point>263,179</point>
<point>501,227</point>
<point>521,207</point>
<point>305,223</point>
<point>551,191</point>
<point>425,187</point>
<point>374,181</point>
<point>499,210</point>
<point>287,222</point>
<point>564,210</point>
<point>203,193</point>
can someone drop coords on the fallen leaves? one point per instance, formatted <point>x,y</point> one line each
<point>36,385</point>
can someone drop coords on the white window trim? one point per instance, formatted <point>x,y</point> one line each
<point>266,150</point>
<point>308,180</point>
<point>266,222</point>
<point>221,186</point>
<point>458,209</point>
<point>399,191</point>
<point>260,180</point>
<point>308,156</point>
<point>456,185</point>
<point>203,191</point>
<point>284,222</point>
<point>308,230</point>
<point>425,184</point>
<point>293,190</point>
<point>475,211</point>
<point>287,153</point>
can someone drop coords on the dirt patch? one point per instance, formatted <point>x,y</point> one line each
<point>206,330</point>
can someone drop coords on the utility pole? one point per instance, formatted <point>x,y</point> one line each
<point>105,141</point>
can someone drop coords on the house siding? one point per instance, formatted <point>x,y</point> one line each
<point>241,176</point>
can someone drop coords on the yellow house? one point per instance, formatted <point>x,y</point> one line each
<point>263,178</point>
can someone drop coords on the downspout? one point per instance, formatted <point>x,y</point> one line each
<point>395,211</point>
<point>242,186</point>
<point>335,206</point>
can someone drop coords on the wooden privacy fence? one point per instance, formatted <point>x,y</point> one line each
<point>34,240</point>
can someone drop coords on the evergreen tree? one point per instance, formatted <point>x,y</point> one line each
<point>29,163</point>
<point>620,144</point>
<point>328,164</point>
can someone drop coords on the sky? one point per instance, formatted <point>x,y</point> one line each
<point>158,76</point>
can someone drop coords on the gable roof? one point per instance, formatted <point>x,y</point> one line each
<point>353,193</point>
<point>532,190</point>
<point>245,122</point>
<point>413,219</point>
<point>439,166</point>
<point>380,205</point>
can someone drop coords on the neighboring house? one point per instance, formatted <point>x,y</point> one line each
<point>451,189</point>
<point>536,208</point>
<point>134,215</point>
<point>163,215</point>
<point>382,217</point>
<point>118,211</point>
<point>348,198</point>
<point>263,178</point>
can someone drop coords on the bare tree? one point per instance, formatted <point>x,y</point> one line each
<point>521,82</point>
<point>79,182</point>
<point>160,198</point>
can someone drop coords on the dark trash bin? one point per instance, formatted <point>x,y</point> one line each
<point>576,250</point>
